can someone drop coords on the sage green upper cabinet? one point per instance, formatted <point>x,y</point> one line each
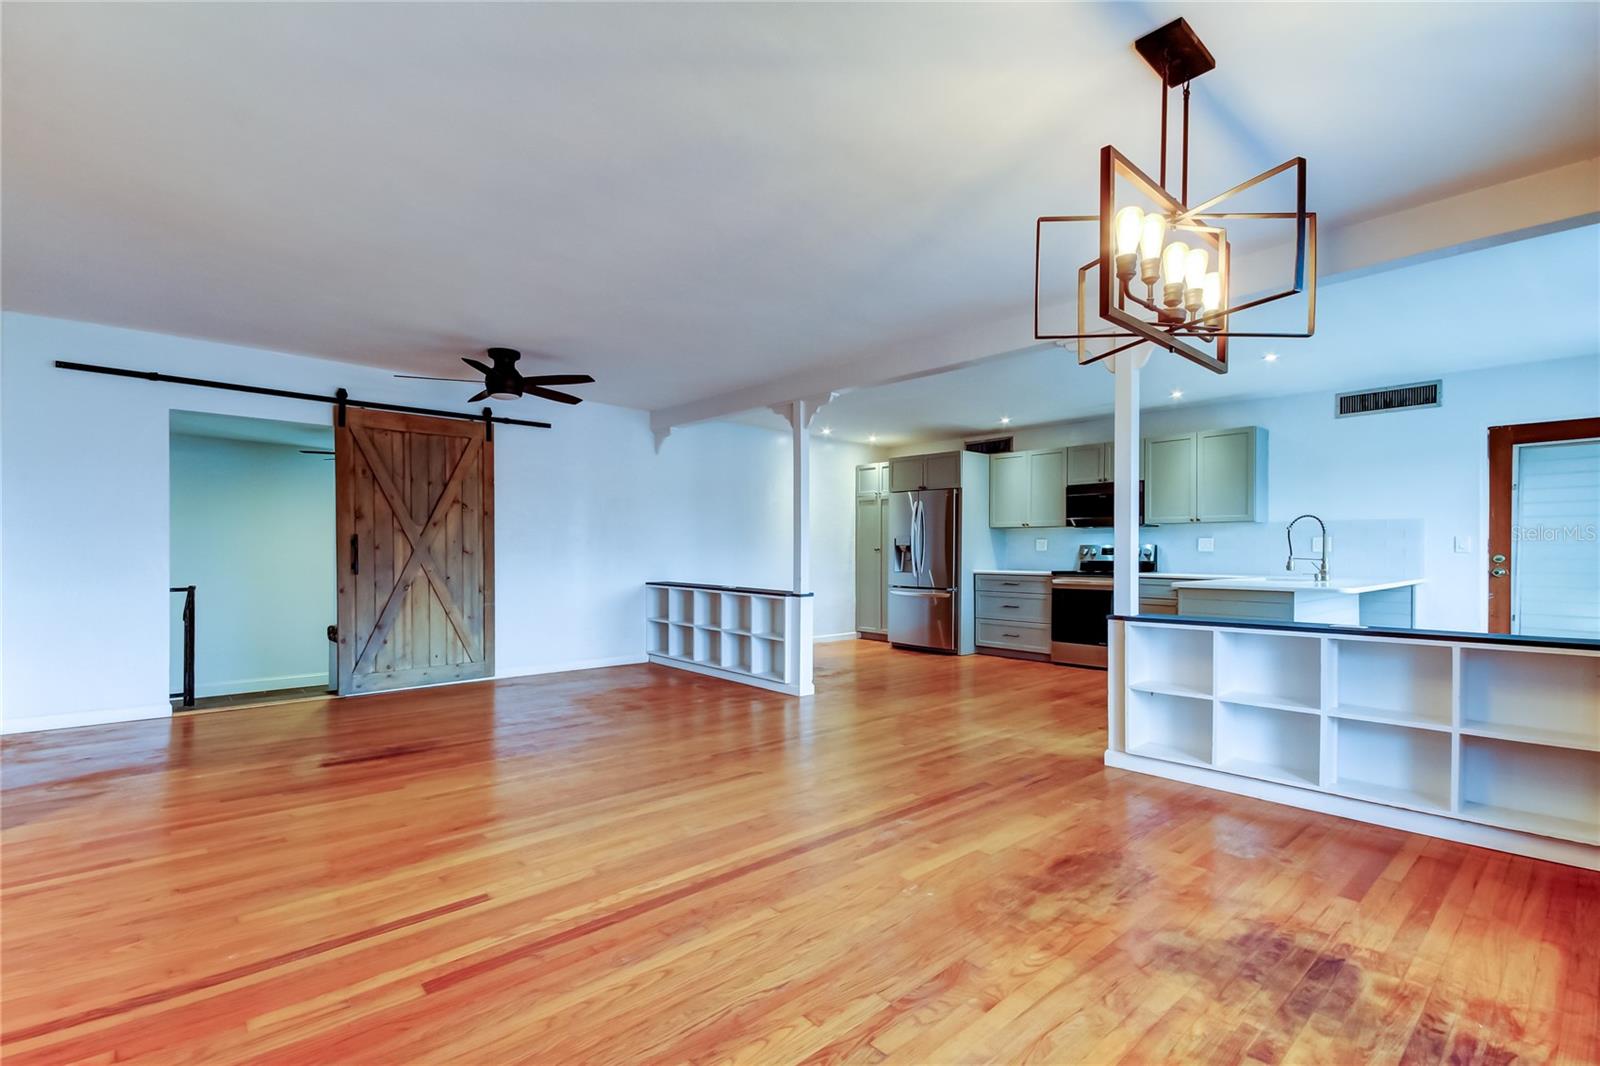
<point>1169,474</point>
<point>905,475</point>
<point>1027,489</point>
<point>870,479</point>
<point>1230,480</point>
<point>1047,489</point>
<point>1008,490</point>
<point>942,471</point>
<point>1086,463</point>
<point>1213,476</point>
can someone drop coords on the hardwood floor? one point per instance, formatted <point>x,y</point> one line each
<point>925,863</point>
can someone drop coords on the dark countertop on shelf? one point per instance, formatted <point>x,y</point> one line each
<point>1324,629</point>
<point>726,588</point>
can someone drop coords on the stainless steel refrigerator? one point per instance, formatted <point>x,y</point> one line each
<point>925,531</point>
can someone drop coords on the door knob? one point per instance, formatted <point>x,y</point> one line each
<point>1499,571</point>
<point>1497,558</point>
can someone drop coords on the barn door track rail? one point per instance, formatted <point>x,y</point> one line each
<point>340,400</point>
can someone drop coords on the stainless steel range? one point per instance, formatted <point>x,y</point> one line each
<point>1080,600</point>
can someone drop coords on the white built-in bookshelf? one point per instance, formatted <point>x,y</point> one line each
<point>1484,735</point>
<point>741,635</point>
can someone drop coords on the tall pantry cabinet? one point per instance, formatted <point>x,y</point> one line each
<point>872,549</point>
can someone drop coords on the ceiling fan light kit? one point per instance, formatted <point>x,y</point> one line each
<point>1164,271</point>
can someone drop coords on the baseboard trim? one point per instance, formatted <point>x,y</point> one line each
<point>828,638</point>
<point>78,719</point>
<point>567,668</point>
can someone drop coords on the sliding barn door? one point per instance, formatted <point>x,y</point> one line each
<point>416,550</point>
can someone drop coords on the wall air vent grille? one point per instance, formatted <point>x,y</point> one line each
<point>989,447</point>
<point>1379,401</point>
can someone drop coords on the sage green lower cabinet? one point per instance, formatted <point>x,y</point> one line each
<point>1013,615</point>
<point>1028,489</point>
<point>1217,475</point>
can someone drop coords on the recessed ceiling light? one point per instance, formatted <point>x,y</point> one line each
<point>1005,420</point>
<point>1270,357</point>
<point>827,431</point>
<point>872,438</point>
<point>1177,394</point>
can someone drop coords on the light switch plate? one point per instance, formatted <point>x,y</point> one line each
<point>1206,544</point>
<point>1040,544</point>
<point>1463,545</point>
<point>1316,544</point>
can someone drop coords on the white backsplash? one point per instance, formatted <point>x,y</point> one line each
<point>1358,548</point>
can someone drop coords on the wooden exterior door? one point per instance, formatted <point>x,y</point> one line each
<point>1503,441</point>
<point>416,550</point>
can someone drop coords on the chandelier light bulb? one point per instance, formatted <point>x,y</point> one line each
<point>1129,226</point>
<point>1152,234</point>
<point>1195,266</point>
<point>1211,292</point>
<point>1173,260</point>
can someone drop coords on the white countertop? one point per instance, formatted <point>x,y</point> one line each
<point>1014,573</point>
<point>1159,575</point>
<point>1350,586</point>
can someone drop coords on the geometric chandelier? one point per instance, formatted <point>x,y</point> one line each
<point>1164,272</point>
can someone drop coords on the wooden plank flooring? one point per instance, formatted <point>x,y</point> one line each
<point>925,863</point>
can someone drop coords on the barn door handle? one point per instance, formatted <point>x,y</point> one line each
<point>355,553</point>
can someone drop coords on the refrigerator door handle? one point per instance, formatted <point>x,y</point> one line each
<point>916,537</point>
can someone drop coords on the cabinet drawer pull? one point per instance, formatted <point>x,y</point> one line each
<point>1013,636</point>
<point>1011,606</point>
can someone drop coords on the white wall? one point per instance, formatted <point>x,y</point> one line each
<point>585,514</point>
<point>252,528</point>
<point>1396,489</point>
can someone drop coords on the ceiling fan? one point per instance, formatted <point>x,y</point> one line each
<point>502,381</point>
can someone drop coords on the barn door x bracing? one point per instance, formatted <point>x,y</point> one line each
<point>416,550</point>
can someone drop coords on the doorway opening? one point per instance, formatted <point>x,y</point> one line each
<point>252,532</point>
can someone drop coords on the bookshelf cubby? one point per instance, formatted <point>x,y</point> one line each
<point>1478,740</point>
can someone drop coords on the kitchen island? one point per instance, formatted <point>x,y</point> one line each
<point>1301,598</point>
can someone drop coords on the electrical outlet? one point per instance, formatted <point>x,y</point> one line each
<point>1463,545</point>
<point>1316,544</point>
<point>1040,544</point>
<point>1206,544</point>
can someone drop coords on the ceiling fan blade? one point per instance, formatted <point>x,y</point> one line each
<point>484,395</point>
<point>551,394</point>
<point>559,380</point>
<point>427,377</point>
<point>480,367</point>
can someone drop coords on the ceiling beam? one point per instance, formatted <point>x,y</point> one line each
<point>1559,198</point>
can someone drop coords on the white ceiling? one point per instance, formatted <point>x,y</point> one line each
<point>689,199</point>
<point>1526,301</point>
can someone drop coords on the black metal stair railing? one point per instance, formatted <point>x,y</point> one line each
<point>188,645</point>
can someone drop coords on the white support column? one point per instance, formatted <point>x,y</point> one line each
<point>798,421</point>
<point>800,412</point>
<point>1125,519</point>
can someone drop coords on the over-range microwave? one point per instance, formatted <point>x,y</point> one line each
<point>1092,504</point>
